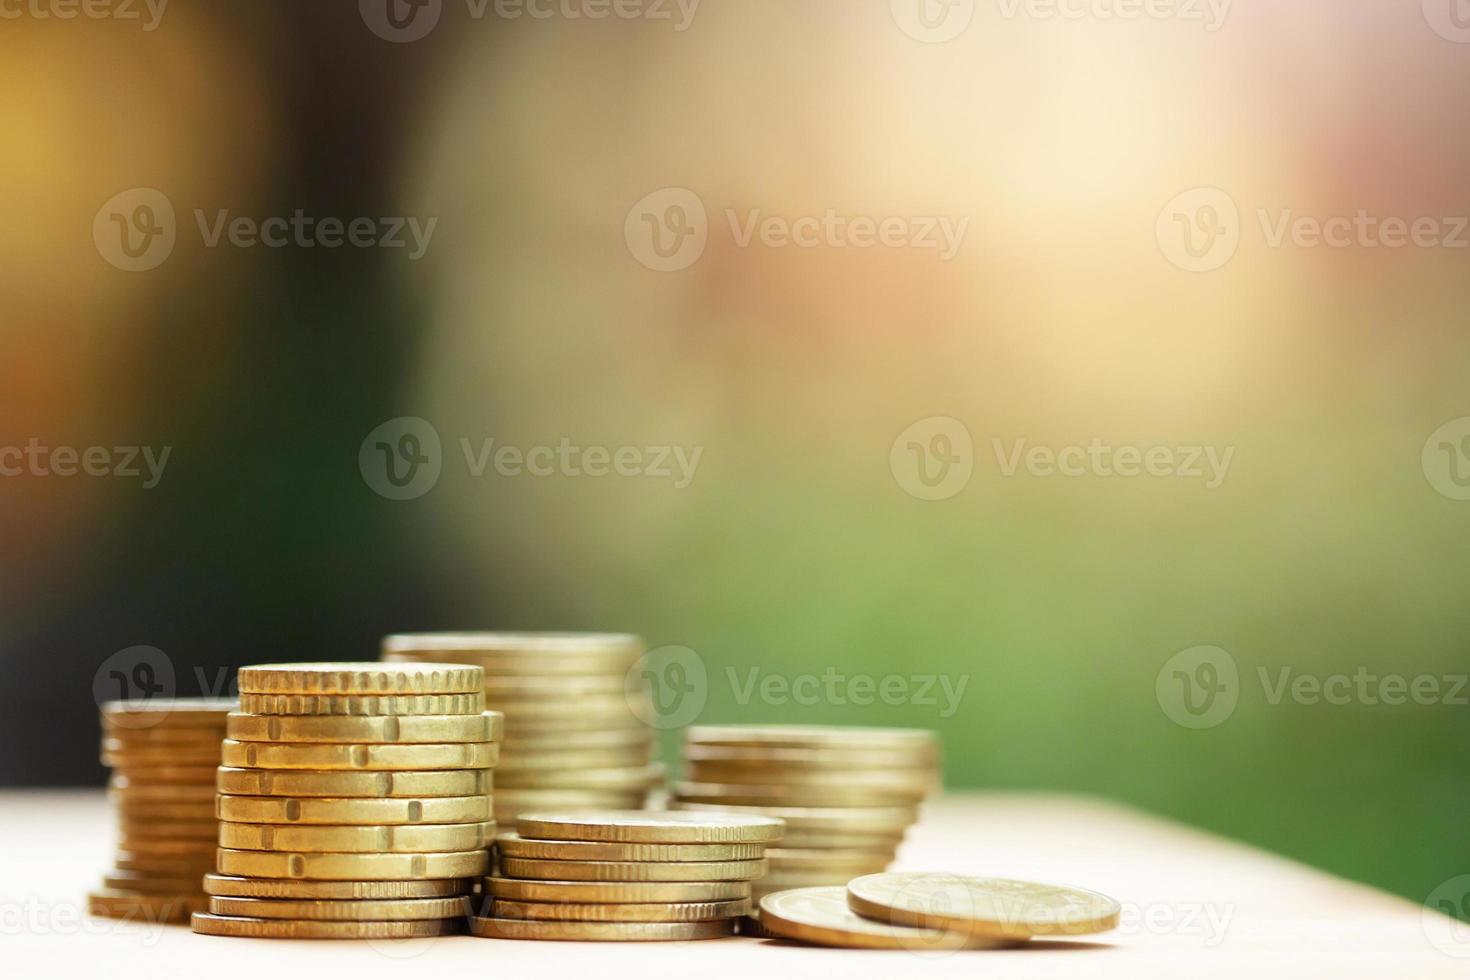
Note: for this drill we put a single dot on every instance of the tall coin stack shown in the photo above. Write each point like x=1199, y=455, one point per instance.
x=354, y=802
x=573, y=738
x=163, y=754
x=629, y=876
x=847, y=795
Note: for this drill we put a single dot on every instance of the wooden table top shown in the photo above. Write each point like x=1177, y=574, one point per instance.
x=1195, y=906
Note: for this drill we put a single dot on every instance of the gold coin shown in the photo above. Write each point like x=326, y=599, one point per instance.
x=813, y=737
x=127, y=793
x=820, y=840
x=357, y=840
x=555, y=686
x=529, y=727
x=989, y=907
x=828, y=859
x=908, y=785
x=599, y=931
x=171, y=866
x=160, y=737
x=615, y=892
x=115, y=753
x=290, y=810
x=150, y=884
x=648, y=827
x=354, y=705
x=624, y=738
x=522, y=760
x=750, y=925
x=143, y=907
x=787, y=759
x=601, y=706
x=821, y=916
x=268, y=755
x=217, y=884
x=850, y=819
x=487, y=726
x=203, y=809
x=777, y=794
x=640, y=777
x=352, y=867
x=208, y=924
x=166, y=712
x=360, y=678
x=200, y=775
x=513, y=845
x=303, y=782
x=362, y=910
x=778, y=880
x=626, y=912
x=162, y=847
x=547, y=648
x=502, y=665
x=632, y=870
x=511, y=803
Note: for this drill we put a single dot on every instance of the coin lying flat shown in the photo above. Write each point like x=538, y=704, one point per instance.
x=358, y=910
x=401, y=838
x=131, y=827
x=511, y=803
x=200, y=809
x=169, y=866
x=599, y=931
x=487, y=726
x=209, y=924
x=851, y=819
x=779, y=794
x=353, y=705
x=142, y=906
x=548, y=649
x=166, y=846
x=627, y=737
x=204, y=752
x=652, y=827
x=360, y=678
x=150, y=884
x=155, y=773
x=553, y=686
x=632, y=870
x=227, y=885
x=553, y=763
x=170, y=712
x=824, y=759
x=624, y=912
x=827, y=859
x=822, y=916
x=513, y=845
x=615, y=892
x=268, y=755
x=303, y=782
x=812, y=737
x=352, y=867
x=991, y=907
x=637, y=777
x=384, y=811
x=908, y=785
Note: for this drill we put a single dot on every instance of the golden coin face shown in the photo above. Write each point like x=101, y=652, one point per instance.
x=143, y=907
x=360, y=678
x=991, y=907
x=626, y=912
x=402, y=838
x=513, y=845
x=615, y=892
x=813, y=737
x=599, y=931
x=354, y=705
x=821, y=916
x=268, y=782
x=351, y=867
x=653, y=827
x=362, y=910
x=307, y=810
x=850, y=819
x=786, y=794
x=487, y=726
x=209, y=924
x=352, y=891
x=632, y=870
x=267, y=755
x=634, y=777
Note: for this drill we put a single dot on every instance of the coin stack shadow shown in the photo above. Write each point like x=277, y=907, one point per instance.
x=163, y=754
x=629, y=876
x=848, y=795
x=575, y=737
x=354, y=802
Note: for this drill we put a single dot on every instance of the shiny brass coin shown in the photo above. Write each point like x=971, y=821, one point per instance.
x=823, y=840
x=777, y=794
x=360, y=678
x=627, y=737
x=788, y=880
x=127, y=794
x=536, y=761
x=351, y=867
x=852, y=863
x=821, y=916
x=553, y=686
x=204, y=753
x=355, y=705
x=161, y=847
x=813, y=737
x=402, y=838
x=827, y=760
x=171, y=866
x=997, y=908
x=303, y=782
x=550, y=649
x=150, y=884
x=200, y=810
x=217, y=884
x=166, y=712
x=151, y=775
x=268, y=755
x=361, y=910
x=160, y=737
x=292, y=810
x=143, y=907
x=850, y=819
x=632, y=870
x=592, y=706
x=515, y=802
x=599, y=931
x=528, y=727
x=637, y=777
x=487, y=726
x=520, y=665
x=209, y=924
x=649, y=827
x=615, y=892
x=908, y=785
x=625, y=912
x=513, y=845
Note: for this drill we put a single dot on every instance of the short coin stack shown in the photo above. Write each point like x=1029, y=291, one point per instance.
x=624, y=876
x=847, y=795
x=574, y=737
x=163, y=754
x=354, y=802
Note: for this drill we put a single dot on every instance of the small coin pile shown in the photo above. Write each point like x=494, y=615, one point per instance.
x=847, y=795
x=934, y=911
x=354, y=802
x=632, y=875
x=574, y=734
x=163, y=754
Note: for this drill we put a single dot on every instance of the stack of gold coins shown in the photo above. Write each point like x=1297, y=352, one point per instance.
x=631, y=875
x=847, y=795
x=163, y=754
x=575, y=737
x=354, y=802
